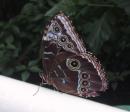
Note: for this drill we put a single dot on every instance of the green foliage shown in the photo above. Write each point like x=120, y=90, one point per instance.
x=124, y=4
x=103, y=24
x=125, y=107
x=100, y=31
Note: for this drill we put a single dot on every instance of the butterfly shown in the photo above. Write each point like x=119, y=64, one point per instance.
x=68, y=66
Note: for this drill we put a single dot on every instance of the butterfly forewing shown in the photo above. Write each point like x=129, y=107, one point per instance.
x=67, y=64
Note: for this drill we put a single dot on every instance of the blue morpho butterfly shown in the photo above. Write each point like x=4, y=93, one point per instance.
x=68, y=66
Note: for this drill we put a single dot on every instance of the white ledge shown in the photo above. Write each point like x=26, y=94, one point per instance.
x=17, y=96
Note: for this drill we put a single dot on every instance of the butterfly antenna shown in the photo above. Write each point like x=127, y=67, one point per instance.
x=37, y=89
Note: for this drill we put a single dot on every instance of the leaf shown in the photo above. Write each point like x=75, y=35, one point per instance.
x=51, y=2
x=100, y=32
x=11, y=46
x=66, y=6
x=38, y=17
x=2, y=46
x=7, y=71
x=125, y=107
x=29, y=8
x=25, y=75
x=1, y=24
x=123, y=4
x=15, y=30
x=82, y=2
x=59, y=6
x=9, y=40
x=20, y=67
x=32, y=63
x=35, y=69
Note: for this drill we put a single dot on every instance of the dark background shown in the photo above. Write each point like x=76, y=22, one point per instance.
x=104, y=26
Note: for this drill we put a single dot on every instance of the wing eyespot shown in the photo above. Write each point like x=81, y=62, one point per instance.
x=63, y=39
x=83, y=89
x=84, y=83
x=56, y=28
x=84, y=75
x=69, y=45
x=73, y=64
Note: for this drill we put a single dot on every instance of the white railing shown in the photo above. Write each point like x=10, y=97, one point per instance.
x=17, y=96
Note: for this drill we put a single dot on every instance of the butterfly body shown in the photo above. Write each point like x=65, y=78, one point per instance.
x=67, y=64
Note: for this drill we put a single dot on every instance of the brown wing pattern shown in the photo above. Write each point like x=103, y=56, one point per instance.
x=67, y=64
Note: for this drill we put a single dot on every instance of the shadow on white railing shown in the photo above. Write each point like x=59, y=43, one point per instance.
x=17, y=96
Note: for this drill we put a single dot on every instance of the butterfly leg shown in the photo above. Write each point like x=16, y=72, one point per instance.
x=41, y=74
x=41, y=83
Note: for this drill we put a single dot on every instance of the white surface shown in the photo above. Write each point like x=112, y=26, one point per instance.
x=17, y=96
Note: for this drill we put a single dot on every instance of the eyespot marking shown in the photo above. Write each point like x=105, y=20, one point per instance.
x=73, y=64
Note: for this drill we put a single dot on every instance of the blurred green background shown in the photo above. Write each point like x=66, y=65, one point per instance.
x=104, y=26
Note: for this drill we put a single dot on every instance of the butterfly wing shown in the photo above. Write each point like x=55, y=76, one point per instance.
x=61, y=32
x=63, y=52
x=56, y=39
